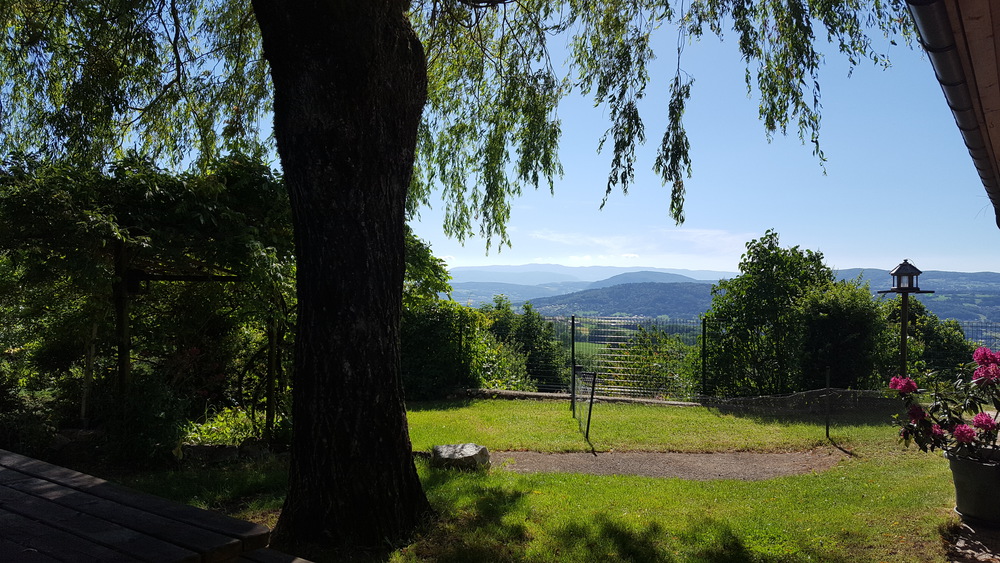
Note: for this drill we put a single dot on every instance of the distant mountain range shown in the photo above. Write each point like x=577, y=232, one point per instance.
x=555, y=290
x=536, y=274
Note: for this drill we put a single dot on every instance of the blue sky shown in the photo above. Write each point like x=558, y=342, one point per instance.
x=899, y=182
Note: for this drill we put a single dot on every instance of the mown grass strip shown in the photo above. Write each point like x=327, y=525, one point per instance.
x=547, y=426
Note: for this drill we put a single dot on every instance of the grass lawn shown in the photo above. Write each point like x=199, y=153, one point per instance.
x=883, y=504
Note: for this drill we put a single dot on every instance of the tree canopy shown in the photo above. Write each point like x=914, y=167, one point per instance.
x=784, y=324
x=186, y=80
x=491, y=124
x=755, y=316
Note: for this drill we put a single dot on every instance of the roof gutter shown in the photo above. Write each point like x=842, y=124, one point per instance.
x=938, y=40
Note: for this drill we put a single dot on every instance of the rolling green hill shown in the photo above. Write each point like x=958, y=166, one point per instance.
x=676, y=300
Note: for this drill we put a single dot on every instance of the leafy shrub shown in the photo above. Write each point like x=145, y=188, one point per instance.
x=447, y=346
x=755, y=324
x=933, y=345
x=229, y=426
x=145, y=425
x=844, y=331
x=529, y=332
x=499, y=366
x=437, y=341
x=783, y=322
x=25, y=421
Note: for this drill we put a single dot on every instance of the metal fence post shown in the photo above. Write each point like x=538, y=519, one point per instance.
x=704, y=355
x=827, y=392
x=572, y=363
x=590, y=409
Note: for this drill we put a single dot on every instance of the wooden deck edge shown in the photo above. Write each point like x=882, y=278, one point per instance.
x=252, y=535
x=268, y=555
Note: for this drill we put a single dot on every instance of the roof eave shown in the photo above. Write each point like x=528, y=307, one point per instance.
x=947, y=33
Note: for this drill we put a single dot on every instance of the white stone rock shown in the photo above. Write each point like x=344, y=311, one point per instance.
x=460, y=456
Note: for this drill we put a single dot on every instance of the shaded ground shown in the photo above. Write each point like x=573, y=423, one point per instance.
x=745, y=466
x=975, y=544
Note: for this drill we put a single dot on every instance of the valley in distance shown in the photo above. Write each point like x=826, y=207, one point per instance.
x=556, y=290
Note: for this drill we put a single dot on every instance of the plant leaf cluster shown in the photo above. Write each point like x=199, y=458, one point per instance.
x=180, y=79
x=65, y=219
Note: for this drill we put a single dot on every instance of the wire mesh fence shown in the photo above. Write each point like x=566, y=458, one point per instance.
x=633, y=356
x=984, y=333
x=814, y=402
x=663, y=358
x=647, y=358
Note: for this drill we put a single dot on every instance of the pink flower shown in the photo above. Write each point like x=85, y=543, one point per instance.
x=984, y=356
x=936, y=431
x=984, y=421
x=988, y=373
x=916, y=413
x=903, y=385
x=964, y=434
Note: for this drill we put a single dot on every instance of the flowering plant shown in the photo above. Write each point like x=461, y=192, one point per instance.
x=944, y=423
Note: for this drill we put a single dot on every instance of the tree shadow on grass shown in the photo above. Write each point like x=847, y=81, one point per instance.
x=480, y=520
x=476, y=520
x=876, y=413
x=604, y=539
x=869, y=416
x=470, y=524
x=705, y=539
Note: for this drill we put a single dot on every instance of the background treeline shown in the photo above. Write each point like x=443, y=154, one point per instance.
x=785, y=324
x=157, y=309
x=192, y=278
x=135, y=301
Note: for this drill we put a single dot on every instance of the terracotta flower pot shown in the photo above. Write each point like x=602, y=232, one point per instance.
x=977, y=489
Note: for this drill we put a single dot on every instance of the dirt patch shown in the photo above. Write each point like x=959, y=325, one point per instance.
x=745, y=466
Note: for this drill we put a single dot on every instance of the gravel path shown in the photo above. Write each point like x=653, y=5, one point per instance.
x=746, y=466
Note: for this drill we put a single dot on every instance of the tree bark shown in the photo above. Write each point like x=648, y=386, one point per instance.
x=88, y=376
x=271, y=377
x=122, y=329
x=349, y=88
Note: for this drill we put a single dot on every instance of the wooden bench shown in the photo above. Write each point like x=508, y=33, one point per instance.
x=49, y=513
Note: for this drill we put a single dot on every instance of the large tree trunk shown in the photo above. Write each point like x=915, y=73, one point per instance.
x=350, y=85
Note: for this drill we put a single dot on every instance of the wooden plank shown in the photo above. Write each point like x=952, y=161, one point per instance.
x=10, y=551
x=268, y=555
x=252, y=535
x=978, y=24
x=212, y=546
x=973, y=25
x=53, y=542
